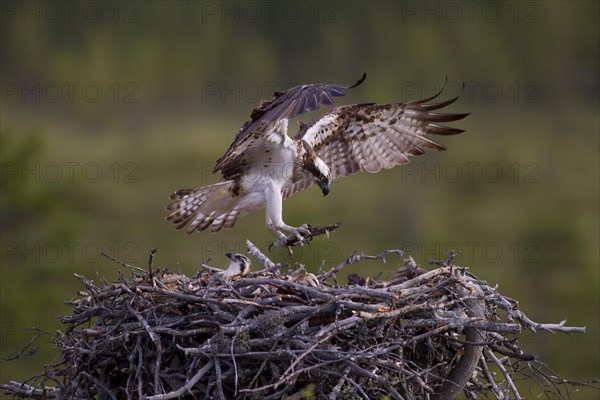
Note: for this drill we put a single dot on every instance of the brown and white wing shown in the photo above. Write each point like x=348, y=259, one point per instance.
x=267, y=119
x=369, y=137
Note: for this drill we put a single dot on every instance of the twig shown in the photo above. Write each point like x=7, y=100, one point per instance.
x=491, y=356
x=486, y=372
x=133, y=267
x=534, y=326
x=150, y=259
x=335, y=392
x=235, y=369
x=28, y=349
x=188, y=386
x=354, y=258
x=156, y=340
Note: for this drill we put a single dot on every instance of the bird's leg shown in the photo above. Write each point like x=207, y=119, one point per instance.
x=273, y=214
x=279, y=227
x=273, y=229
x=275, y=224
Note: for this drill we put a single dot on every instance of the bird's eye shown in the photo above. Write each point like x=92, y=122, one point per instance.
x=323, y=178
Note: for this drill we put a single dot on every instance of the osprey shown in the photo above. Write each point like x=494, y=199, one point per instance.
x=264, y=165
x=239, y=265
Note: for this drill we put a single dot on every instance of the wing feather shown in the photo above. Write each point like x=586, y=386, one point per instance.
x=282, y=106
x=370, y=137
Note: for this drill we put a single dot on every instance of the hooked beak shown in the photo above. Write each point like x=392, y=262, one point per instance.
x=324, y=188
x=228, y=255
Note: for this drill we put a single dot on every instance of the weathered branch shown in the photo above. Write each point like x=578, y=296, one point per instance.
x=188, y=385
x=30, y=392
x=268, y=265
x=354, y=258
x=463, y=371
x=293, y=240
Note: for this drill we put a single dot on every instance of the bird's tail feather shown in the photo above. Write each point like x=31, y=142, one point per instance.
x=213, y=206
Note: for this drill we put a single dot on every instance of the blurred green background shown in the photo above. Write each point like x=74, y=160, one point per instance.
x=107, y=107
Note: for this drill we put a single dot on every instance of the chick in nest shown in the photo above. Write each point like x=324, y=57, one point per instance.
x=239, y=266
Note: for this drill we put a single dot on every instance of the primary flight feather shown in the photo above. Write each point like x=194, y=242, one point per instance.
x=263, y=165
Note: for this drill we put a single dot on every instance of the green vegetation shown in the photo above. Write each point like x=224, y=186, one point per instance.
x=83, y=170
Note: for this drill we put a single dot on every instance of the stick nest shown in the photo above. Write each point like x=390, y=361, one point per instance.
x=271, y=335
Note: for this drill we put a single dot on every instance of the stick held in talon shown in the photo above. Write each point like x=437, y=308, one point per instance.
x=293, y=240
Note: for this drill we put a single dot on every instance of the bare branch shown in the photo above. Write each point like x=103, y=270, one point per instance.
x=261, y=258
x=187, y=387
x=354, y=258
x=293, y=240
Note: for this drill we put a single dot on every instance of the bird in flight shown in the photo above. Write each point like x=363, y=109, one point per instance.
x=263, y=166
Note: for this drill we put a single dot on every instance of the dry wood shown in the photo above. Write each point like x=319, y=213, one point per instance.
x=293, y=240
x=270, y=335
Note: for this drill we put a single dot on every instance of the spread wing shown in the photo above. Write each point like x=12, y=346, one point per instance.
x=369, y=137
x=271, y=118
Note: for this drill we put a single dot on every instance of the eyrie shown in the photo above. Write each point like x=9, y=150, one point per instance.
x=263, y=165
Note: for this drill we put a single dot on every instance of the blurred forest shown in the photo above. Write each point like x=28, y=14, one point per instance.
x=108, y=107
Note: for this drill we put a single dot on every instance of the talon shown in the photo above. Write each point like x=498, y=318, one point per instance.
x=299, y=239
x=305, y=232
x=297, y=236
x=302, y=235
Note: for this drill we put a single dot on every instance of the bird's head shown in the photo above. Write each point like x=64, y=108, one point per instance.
x=239, y=265
x=317, y=169
x=322, y=176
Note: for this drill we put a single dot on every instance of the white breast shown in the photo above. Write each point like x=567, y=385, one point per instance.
x=273, y=166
